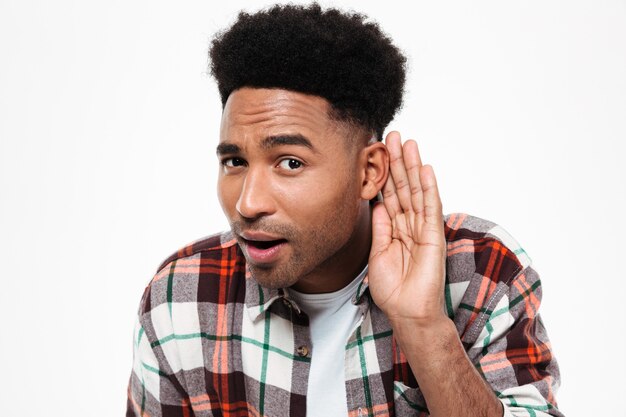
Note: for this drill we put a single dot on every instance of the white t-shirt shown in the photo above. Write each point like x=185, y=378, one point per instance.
x=332, y=319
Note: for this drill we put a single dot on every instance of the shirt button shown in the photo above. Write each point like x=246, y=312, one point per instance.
x=303, y=351
x=286, y=303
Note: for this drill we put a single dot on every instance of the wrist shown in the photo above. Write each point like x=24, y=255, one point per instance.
x=436, y=335
x=423, y=325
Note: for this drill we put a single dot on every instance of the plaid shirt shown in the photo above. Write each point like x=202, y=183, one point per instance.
x=211, y=342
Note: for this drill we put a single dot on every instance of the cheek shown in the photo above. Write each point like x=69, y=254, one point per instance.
x=326, y=199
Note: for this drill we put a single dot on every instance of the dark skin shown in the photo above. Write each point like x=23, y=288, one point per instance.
x=272, y=181
x=407, y=279
x=297, y=180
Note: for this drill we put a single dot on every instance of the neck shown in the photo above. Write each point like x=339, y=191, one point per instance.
x=346, y=264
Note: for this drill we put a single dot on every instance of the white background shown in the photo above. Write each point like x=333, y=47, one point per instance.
x=108, y=125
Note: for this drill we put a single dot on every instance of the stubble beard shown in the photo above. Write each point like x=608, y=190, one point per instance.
x=301, y=262
x=312, y=250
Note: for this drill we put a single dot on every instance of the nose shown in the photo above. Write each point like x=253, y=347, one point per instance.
x=255, y=199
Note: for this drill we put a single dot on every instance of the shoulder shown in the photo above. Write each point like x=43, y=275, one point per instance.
x=215, y=245
x=485, y=269
x=194, y=271
x=482, y=247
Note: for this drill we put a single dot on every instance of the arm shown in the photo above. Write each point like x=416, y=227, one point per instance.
x=513, y=353
x=511, y=356
x=152, y=391
x=407, y=278
x=448, y=380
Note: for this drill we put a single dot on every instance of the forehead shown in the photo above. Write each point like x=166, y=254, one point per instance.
x=255, y=113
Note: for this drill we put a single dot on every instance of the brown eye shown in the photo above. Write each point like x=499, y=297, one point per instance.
x=233, y=162
x=290, y=164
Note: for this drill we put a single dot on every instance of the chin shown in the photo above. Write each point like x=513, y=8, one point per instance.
x=274, y=278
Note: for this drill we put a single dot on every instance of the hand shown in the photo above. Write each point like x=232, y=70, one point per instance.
x=408, y=255
x=407, y=280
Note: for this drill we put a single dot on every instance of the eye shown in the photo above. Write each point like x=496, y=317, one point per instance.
x=290, y=164
x=233, y=162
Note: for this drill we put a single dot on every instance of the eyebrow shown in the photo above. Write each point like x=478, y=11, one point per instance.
x=227, y=149
x=297, y=140
x=269, y=142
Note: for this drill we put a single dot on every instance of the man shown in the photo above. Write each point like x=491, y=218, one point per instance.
x=320, y=300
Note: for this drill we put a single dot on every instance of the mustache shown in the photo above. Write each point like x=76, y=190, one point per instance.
x=261, y=225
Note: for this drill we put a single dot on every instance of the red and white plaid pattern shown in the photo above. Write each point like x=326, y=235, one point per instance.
x=210, y=341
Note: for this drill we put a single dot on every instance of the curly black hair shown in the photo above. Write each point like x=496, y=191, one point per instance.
x=328, y=53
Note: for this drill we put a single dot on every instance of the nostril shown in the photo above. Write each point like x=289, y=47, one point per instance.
x=254, y=199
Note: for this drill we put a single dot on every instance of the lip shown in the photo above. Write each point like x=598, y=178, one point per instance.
x=261, y=256
x=256, y=254
x=259, y=236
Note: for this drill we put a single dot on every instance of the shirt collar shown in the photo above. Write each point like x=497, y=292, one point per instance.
x=259, y=299
x=361, y=289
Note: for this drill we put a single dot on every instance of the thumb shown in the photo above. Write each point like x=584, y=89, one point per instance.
x=381, y=229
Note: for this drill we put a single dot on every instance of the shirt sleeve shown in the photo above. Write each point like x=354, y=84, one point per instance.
x=513, y=352
x=152, y=392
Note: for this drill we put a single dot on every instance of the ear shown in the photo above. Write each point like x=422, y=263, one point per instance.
x=374, y=169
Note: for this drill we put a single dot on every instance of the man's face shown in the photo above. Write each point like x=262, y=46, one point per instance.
x=288, y=183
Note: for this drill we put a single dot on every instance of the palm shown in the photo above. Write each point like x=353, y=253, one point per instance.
x=407, y=260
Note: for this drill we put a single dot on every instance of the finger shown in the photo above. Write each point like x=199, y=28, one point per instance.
x=398, y=170
x=390, y=199
x=413, y=163
x=433, y=214
x=381, y=229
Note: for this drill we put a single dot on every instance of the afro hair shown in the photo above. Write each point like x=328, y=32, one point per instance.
x=328, y=53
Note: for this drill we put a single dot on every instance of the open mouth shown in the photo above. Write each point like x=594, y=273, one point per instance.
x=264, y=244
x=264, y=252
